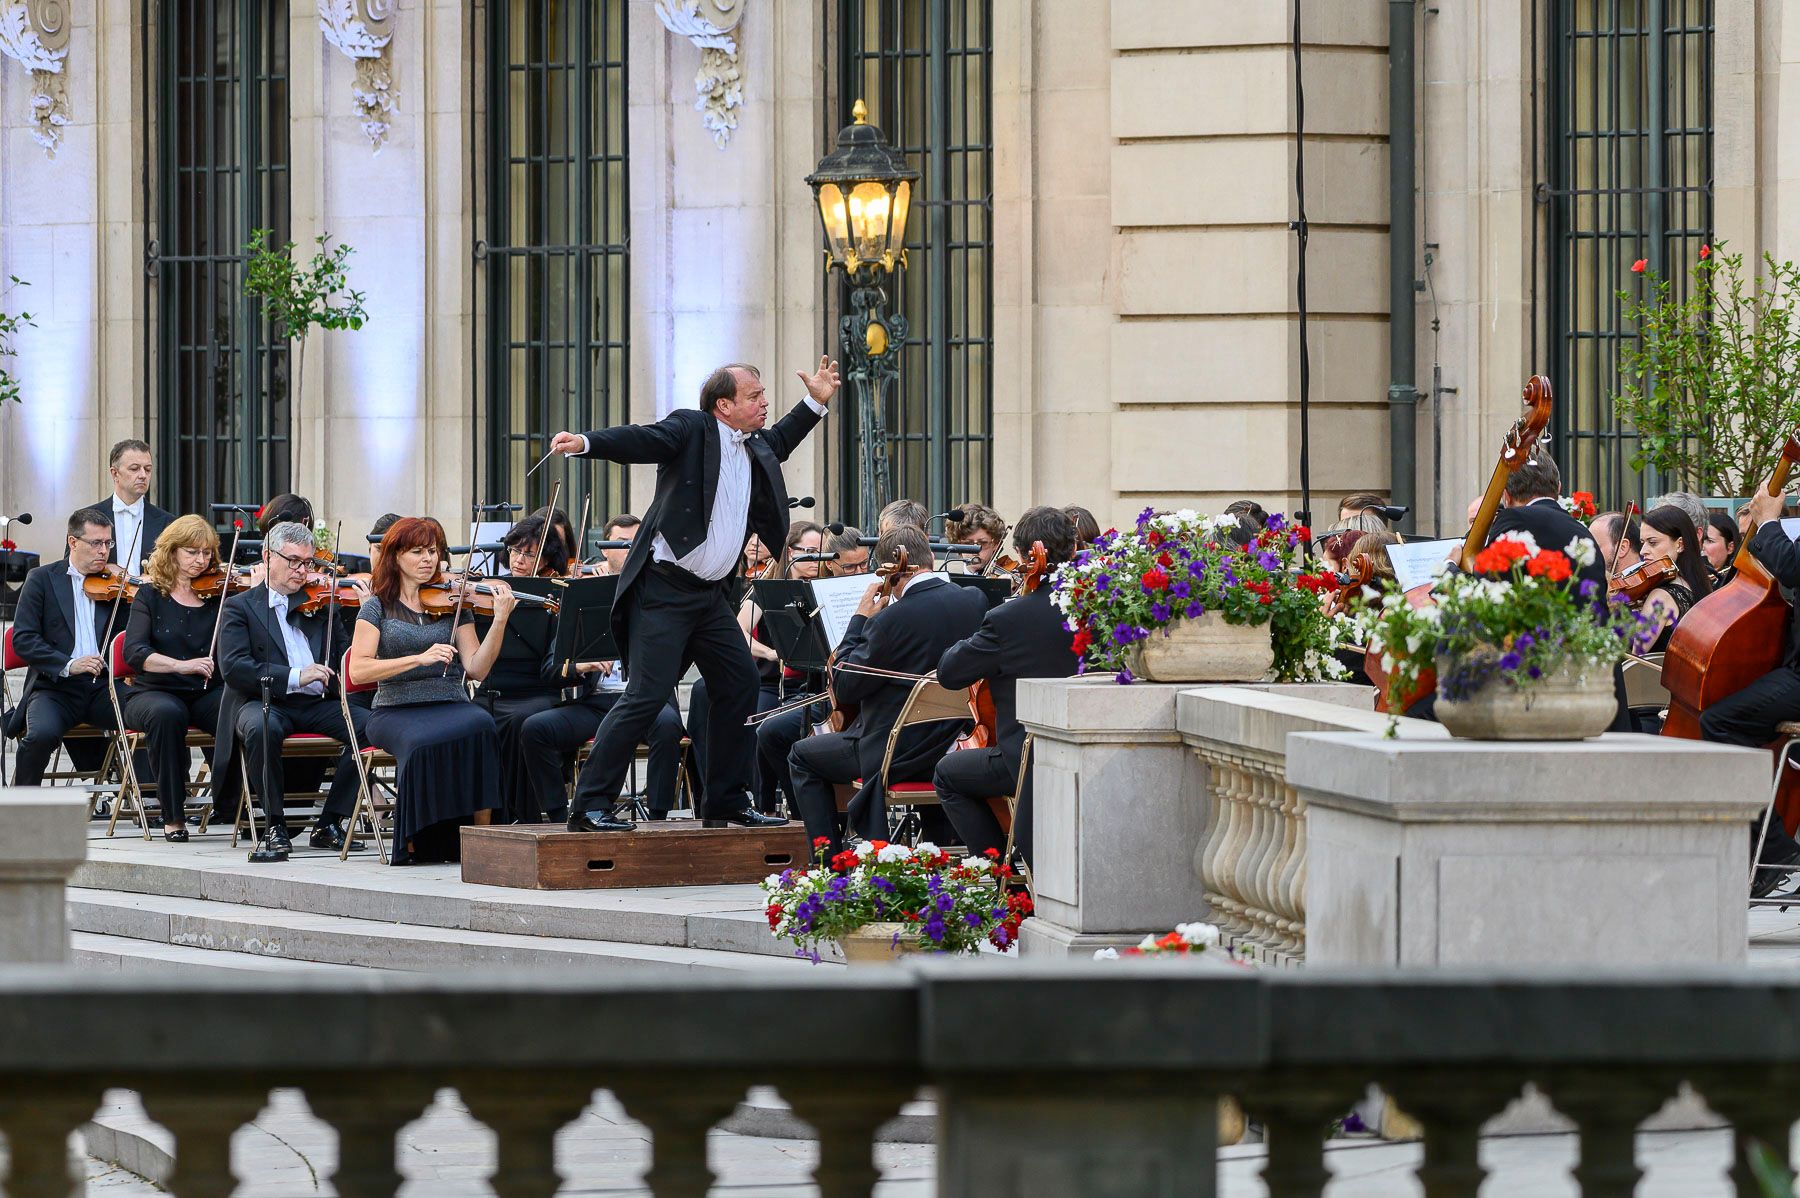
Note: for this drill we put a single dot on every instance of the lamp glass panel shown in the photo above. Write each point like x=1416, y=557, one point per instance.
x=902, y=199
x=870, y=210
x=835, y=214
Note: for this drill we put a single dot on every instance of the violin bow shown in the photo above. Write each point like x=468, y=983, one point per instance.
x=112, y=617
x=1618, y=545
x=225, y=570
x=580, y=536
x=331, y=600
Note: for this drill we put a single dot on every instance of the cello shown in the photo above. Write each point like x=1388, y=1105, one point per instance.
x=1516, y=449
x=985, y=734
x=1731, y=637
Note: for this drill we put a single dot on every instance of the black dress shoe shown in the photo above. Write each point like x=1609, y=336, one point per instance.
x=102, y=809
x=331, y=836
x=747, y=818
x=274, y=847
x=598, y=821
x=175, y=834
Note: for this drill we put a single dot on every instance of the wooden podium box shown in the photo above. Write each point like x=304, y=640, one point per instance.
x=671, y=853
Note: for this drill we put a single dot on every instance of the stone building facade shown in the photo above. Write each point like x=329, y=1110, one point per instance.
x=1106, y=282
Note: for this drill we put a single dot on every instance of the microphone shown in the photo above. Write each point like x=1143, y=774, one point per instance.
x=815, y=557
x=248, y=509
x=1390, y=512
x=21, y=518
x=955, y=515
x=835, y=529
x=497, y=507
x=801, y=501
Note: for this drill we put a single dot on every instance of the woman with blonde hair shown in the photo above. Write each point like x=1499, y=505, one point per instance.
x=169, y=643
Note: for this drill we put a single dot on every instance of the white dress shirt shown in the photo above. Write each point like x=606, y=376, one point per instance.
x=716, y=556
x=299, y=653
x=127, y=523
x=85, y=644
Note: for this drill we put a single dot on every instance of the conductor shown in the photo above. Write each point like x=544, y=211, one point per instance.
x=718, y=479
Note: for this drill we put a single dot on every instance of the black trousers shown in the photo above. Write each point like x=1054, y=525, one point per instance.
x=164, y=718
x=964, y=782
x=700, y=711
x=1749, y=718
x=518, y=804
x=775, y=739
x=548, y=742
x=674, y=620
x=50, y=713
x=298, y=713
x=818, y=764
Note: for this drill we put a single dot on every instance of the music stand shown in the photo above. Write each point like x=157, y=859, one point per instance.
x=584, y=623
x=790, y=615
x=995, y=590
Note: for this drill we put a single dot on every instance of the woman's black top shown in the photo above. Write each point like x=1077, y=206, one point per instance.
x=160, y=624
x=1684, y=599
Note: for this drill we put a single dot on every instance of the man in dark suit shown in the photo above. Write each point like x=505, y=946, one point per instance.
x=1022, y=638
x=906, y=635
x=62, y=634
x=1749, y=717
x=262, y=639
x=136, y=521
x=718, y=480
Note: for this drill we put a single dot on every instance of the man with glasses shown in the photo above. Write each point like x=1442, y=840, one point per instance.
x=61, y=634
x=264, y=640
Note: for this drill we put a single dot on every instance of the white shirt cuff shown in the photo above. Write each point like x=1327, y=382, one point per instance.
x=293, y=678
x=816, y=406
x=65, y=669
x=584, y=446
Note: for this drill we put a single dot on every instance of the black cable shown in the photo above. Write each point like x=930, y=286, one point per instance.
x=1304, y=515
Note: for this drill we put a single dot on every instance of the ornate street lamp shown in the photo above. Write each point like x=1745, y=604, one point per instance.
x=864, y=189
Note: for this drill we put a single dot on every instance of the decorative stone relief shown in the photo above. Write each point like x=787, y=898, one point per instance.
x=719, y=82
x=36, y=34
x=363, y=30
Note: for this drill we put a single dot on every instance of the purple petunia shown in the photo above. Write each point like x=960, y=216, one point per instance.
x=1510, y=661
x=1267, y=560
x=1160, y=612
x=1195, y=610
x=1123, y=677
x=1181, y=590
x=1103, y=582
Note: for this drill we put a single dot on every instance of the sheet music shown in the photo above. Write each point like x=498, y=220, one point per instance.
x=1418, y=562
x=838, y=599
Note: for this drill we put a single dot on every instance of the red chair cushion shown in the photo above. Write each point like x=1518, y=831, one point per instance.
x=13, y=660
x=120, y=667
x=911, y=788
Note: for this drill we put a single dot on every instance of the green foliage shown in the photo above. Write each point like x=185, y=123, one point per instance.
x=300, y=300
x=9, y=326
x=1713, y=390
x=1773, y=1177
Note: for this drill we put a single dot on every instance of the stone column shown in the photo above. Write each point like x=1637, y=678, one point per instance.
x=43, y=837
x=1456, y=852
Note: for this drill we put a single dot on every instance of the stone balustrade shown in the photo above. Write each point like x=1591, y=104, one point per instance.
x=1252, y=860
x=1059, y=1079
x=43, y=838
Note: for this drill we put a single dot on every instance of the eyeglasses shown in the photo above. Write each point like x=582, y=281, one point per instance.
x=294, y=563
x=107, y=543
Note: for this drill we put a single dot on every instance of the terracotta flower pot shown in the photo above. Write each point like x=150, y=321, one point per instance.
x=1205, y=649
x=875, y=944
x=1570, y=704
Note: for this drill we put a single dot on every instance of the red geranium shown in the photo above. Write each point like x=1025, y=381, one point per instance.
x=1083, y=639
x=774, y=914
x=1166, y=561
x=1492, y=561
x=1154, y=580
x=8, y=545
x=1549, y=563
x=1154, y=537
x=1583, y=502
x=1302, y=533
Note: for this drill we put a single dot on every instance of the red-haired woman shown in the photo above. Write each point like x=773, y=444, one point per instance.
x=446, y=746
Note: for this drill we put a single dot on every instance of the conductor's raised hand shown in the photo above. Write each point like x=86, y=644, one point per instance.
x=568, y=444
x=823, y=384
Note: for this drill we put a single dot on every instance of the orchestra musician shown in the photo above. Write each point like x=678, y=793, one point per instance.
x=1720, y=545
x=1022, y=638
x=136, y=521
x=60, y=633
x=980, y=526
x=549, y=740
x=1617, y=539
x=446, y=747
x=1667, y=532
x=852, y=555
x=902, y=511
x=515, y=690
x=169, y=643
x=1750, y=716
x=1087, y=528
x=265, y=640
x=718, y=480
x=907, y=635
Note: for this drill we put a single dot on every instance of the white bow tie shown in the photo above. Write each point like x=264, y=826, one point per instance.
x=738, y=438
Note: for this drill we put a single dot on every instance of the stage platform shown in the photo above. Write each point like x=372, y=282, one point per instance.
x=201, y=904
x=664, y=853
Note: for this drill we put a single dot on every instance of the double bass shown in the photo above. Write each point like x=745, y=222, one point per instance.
x=1731, y=637
x=1516, y=449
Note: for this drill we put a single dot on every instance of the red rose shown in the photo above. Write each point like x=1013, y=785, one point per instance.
x=1637, y=268
x=1154, y=580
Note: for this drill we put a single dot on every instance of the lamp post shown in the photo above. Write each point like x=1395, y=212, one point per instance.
x=864, y=189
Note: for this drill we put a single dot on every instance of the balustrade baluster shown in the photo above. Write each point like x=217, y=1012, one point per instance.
x=1234, y=793
x=1761, y=1109
x=525, y=1114
x=1294, y=881
x=1281, y=858
x=1607, y=1108
x=37, y=1117
x=679, y=1114
x=846, y=1121
x=1297, y=1115
x=1208, y=860
x=203, y=1114
x=1451, y=1106
x=367, y=1114
x=1252, y=862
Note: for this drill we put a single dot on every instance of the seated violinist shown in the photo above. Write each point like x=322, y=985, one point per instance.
x=1749, y=717
x=1616, y=538
x=61, y=634
x=1022, y=638
x=169, y=643
x=1666, y=532
x=907, y=635
x=1720, y=542
x=1087, y=528
x=982, y=527
x=852, y=555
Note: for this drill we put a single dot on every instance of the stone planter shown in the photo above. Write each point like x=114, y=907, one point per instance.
x=873, y=944
x=1206, y=649
x=1567, y=705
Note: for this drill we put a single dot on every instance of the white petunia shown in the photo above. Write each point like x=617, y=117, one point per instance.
x=1187, y=515
x=926, y=849
x=1197, y=933
x=1581, y=551
x=773, y=881
x=893, y=852
x=1106, y=954
x=979, y=864
x=865, y=850
x=1221, y=522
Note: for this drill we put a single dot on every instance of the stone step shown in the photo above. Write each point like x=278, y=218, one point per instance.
x=713, y=918
x=93, y=950
x=203, y=924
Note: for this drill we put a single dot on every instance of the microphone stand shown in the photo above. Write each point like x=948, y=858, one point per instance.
x=268, y=765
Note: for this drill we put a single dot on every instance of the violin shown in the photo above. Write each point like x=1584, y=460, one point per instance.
x=216, y=582
x=1036, y=570
x=440, y=598
x=1636, y=582
x=1361, y=573
x=112, y=584
x=892, y=574
x=316, y=594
